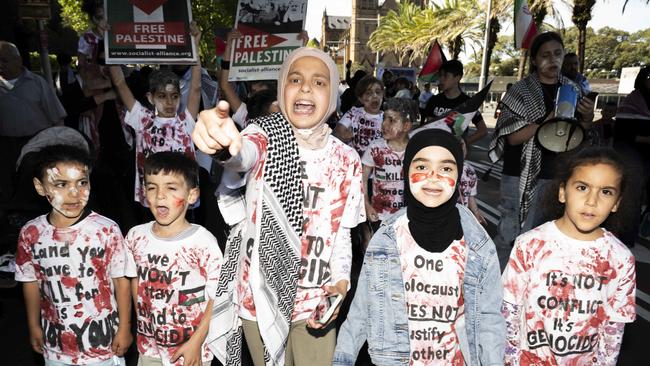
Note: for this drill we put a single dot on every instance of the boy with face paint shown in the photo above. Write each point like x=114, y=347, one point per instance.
x=291, y=249
x=173, y=315
x=72, y=264
x=434, y=260
x=163, y=128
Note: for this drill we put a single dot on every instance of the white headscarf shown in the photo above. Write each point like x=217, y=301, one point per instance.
x=315, y=137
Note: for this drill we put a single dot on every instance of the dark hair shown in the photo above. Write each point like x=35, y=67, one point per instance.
x=365, y=83
x=454, y=67
x=90, y=7
x=49, y=156
x=259, y=103
x=402, y=80
x=407, y=108
x=617, y=222
x=63, y=59
x=539, y=40
x=570, y=54
x=159, y=78
x=173, y=162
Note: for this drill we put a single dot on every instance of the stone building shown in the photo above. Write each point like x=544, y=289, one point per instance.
x=346, y=38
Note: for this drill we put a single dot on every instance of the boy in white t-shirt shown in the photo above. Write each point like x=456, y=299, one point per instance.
x=175, y=267
x=383, y=159
x=163, y=128
x=362, y=125
x=71, y=262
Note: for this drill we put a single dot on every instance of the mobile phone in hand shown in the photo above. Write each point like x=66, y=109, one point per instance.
x=332, y=303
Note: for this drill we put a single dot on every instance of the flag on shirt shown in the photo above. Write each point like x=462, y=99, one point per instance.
x=525, y=28
x=457, y=120
x=436, y=58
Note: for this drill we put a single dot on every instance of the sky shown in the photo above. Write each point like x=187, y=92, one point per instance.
x=606, y=13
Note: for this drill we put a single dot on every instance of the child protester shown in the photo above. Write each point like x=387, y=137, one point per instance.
x=361, y=125
x=71, y=262
x=569, y=286
x=383, y=160
x=292, y=248
x=163, y=128
x=468, y=188
x=175, y=267
x=429, y=290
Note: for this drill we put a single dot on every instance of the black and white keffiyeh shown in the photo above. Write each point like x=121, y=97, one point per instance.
x=522, y=105
x=277, y=234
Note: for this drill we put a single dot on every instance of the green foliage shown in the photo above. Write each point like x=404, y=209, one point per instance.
x=607, y=49
x=72, y=15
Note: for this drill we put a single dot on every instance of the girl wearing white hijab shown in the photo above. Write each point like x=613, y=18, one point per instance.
x=291, y=248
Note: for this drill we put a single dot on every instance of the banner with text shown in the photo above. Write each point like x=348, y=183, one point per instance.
x=269, y=33
x=149, y=32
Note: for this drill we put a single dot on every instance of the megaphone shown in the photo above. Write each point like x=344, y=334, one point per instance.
x=563, y=132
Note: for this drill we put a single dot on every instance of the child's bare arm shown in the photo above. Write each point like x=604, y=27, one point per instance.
x=343, y=133
x=371, y=214
x=122, y=89
x=471, y=204
x=192, y=349
x=194, y=98
x=227, y=89
x=33, y=307
x=123, y=337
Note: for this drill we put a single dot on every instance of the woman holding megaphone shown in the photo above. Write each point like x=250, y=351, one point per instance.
x=528, y=165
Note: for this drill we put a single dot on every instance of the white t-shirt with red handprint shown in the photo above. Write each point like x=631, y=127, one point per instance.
x=567, y=290
x=74, y=268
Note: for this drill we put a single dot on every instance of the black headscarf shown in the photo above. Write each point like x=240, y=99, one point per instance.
x=433, y=228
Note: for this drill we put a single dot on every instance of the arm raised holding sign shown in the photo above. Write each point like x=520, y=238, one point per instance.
x=194, y=99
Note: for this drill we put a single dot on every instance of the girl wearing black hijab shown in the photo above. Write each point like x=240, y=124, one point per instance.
x=430, y=289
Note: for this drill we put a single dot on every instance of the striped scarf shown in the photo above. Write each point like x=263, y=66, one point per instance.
x=277, y=257
x=522, y=105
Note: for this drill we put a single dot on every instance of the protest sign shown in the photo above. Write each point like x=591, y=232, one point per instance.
x=149, y=32
x=269, y=33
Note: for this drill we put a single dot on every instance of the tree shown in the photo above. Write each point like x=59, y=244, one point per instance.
x=580, y=17
x=410, y=31
x=635, y=51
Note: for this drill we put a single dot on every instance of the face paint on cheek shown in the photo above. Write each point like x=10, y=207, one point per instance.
x=84, y=193
x=179, y=202
x=448, y=180
x=419, y=177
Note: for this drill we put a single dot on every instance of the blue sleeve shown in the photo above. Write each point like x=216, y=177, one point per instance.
x=352, y=334
x=492, y=328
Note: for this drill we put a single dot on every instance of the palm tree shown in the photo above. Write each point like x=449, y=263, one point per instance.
x=409, y=31
x=581, y=16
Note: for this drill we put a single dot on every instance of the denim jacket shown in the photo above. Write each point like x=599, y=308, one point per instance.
x=378, y=311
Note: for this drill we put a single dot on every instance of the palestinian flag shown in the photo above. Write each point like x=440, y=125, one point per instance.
x=458, y=119
x=436, y=58
x=525, y=29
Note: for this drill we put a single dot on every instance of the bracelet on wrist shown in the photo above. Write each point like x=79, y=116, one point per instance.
x=225, y=65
